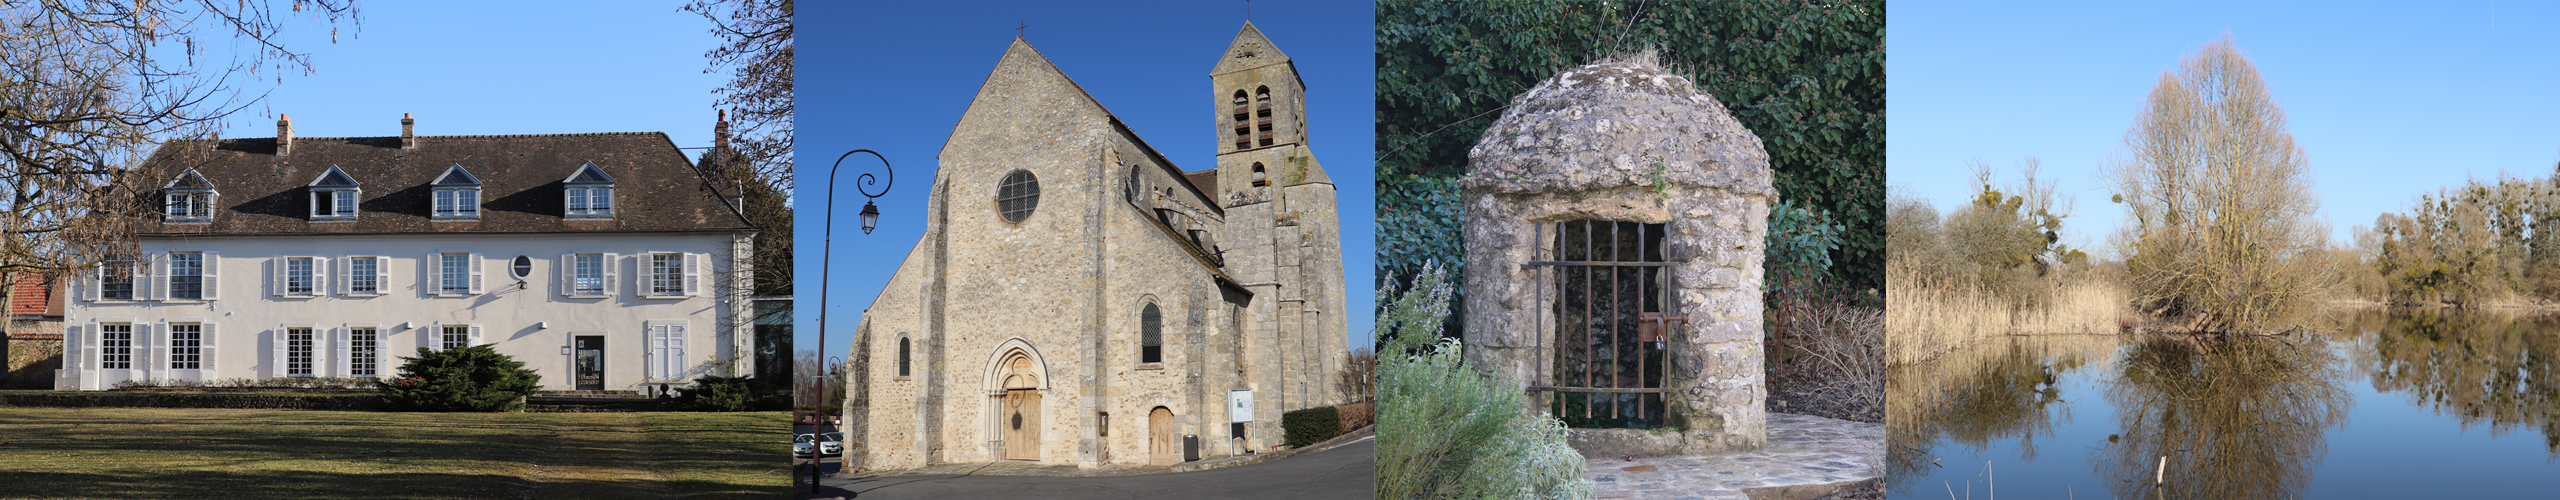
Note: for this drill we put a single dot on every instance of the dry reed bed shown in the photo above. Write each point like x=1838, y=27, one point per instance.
x=1923, y=321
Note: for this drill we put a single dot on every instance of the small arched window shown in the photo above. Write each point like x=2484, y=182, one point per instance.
x=902, y=356
x=1018, y=195
x=1151, y=335
x=1262, y=114
x=1243, y=121
x=1260, y=179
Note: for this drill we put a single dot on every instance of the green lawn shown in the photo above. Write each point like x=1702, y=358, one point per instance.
x=209, y=453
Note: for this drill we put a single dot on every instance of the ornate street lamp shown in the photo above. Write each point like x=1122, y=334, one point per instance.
x=870, y=219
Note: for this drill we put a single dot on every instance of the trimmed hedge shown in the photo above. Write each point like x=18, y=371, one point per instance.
x=1311, y=426
x=182, y=400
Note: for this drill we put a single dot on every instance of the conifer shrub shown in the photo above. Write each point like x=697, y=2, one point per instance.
x=474, y=378
x=729, y=394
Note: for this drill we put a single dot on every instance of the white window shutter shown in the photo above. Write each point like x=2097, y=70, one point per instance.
x=476, y=289
x=86, y=340
x=89, y=287
x=341, y=352
x=159, y=277
x=382, y=367
x=319, y=276
x=159, y=345
x=205, y=356
x=433, y=268
x=275, y=276
x=475, y=334
x=675, y=352
x=381, y=281
x=612, y=274
x=568, y=274
x=346, y=276
x=275, y=364
x=212, y=259
x=692, y=274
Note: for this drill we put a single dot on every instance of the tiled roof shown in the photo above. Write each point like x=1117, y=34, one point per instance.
x=35, y=296
x=1206, y=181
x=656, y=189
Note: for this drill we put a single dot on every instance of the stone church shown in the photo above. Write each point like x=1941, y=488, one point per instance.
x=1077, y=299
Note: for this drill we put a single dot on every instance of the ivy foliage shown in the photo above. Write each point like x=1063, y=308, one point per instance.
x=475, y=378
x=1800, y=242
x=1807, y=78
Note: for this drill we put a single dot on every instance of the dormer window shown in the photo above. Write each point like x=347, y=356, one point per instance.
x=333, y=196
x=457, y=194
x=590, y=193
x=188, y=199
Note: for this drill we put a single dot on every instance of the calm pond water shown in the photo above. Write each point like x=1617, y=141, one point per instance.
x=2398, y=404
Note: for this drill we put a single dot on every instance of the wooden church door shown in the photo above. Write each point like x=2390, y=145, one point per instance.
x=1164, y=439
x=1022, y=421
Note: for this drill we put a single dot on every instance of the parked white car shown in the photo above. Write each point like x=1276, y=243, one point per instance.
x=830, y=444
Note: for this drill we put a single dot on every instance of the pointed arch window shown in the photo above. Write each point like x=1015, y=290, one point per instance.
x=188, y=199
x=590, y=193
x=903, y=358
x=1151, y=335
x=333, y=196
x=457, y=194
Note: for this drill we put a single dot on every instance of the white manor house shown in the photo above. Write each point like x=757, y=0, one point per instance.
x=602, y=261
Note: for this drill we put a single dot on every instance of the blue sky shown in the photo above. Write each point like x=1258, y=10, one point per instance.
x=2388, y=100
x=495, y=68
x=894, y=77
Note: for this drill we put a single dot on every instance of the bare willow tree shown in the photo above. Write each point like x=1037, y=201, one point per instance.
x=89, y=88
x=2222, y=234
x=756, y=51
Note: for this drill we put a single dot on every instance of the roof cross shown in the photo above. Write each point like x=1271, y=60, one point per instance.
x=1017, y=30
x=1248, y=10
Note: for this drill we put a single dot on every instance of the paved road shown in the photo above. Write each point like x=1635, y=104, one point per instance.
x=1349, y=471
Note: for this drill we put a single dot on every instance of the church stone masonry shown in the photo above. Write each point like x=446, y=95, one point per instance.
x=1077, y=299
x=1659, y=312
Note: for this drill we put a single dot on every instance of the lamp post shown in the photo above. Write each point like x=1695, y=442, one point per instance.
x=870, y=218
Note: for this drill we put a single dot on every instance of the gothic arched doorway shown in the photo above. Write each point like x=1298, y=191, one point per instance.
x=1021, y=418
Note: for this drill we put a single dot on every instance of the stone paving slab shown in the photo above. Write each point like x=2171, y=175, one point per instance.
x=1807, y=457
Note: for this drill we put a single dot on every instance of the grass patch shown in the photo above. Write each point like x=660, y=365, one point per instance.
x=224, y=453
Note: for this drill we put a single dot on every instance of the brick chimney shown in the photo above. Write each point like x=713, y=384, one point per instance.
x=284, y=134
x=720, y=132
x=726, y=175
x=408, y=132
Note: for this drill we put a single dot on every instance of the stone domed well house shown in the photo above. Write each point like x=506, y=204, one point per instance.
x=1615, y=218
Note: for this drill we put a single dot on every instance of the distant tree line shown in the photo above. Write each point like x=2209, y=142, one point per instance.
x=2478, y=242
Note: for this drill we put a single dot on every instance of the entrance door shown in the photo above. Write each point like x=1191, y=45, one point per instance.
x=1164, y=440
x=1022, y=421
x=590, y=363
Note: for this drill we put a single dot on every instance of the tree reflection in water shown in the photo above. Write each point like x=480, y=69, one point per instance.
x=2236, y=418
x=1975, y=395
x=2479, y=367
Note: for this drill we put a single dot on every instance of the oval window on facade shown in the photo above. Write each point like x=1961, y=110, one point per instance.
x=1018, y=195
x=523, y=266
